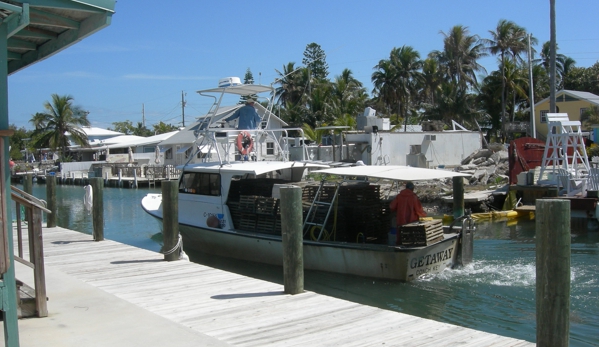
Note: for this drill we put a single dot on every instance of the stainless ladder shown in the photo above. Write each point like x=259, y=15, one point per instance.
x=311, y=221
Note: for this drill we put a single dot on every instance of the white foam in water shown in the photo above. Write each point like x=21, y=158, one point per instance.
x=492, y=272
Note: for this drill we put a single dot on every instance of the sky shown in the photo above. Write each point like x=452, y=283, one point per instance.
x=154, y=51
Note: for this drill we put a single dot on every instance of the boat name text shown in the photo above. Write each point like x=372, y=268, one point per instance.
x=430, y=259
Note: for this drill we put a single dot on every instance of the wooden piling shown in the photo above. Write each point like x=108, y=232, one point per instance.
x=293, y=251
x=51, y=200
x=458, y=197
x=170, y=220
x=28, y=183
x=98, y=207
x=553, y=272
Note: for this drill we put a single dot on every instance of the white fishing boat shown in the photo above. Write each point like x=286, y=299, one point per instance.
x=231, y=208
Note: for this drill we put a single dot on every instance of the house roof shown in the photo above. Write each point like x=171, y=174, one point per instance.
x=590, y=97
x=93, y=131
x=144, y=141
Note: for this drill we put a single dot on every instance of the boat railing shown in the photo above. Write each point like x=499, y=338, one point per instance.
x=210, y=139
x=31, y=215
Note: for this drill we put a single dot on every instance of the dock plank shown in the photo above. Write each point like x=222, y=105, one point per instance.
x=239, y=310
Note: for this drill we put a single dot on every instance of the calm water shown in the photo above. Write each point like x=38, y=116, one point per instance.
x=495, y=294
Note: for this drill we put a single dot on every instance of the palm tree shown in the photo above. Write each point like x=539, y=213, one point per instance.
x=508, y=38
x=460, y=55
x=61, y=121
x=563, y=64
x=516, y=81
x=397, y=78
x=348, y=96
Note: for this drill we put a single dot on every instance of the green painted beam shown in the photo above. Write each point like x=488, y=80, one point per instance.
x=98, y=6
x=13, y=56
x=18, y=20
x=64, y=40
x=21, y=44
x=36, y=34
x=9, y=307
x=50, y=19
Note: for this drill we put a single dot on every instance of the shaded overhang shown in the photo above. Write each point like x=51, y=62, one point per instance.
x=38, y=29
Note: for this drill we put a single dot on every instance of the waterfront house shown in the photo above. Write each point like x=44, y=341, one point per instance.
x=572, y=102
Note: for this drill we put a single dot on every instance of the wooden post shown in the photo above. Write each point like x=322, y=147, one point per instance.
x=135, y=177
x=98, y=208
x=553, y=272
x=51, y=197
x=170, y=220
x=458, y=197
x=292, y=242
x=28, y=183
x=37, y=258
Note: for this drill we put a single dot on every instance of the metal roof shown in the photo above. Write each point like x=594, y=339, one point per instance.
x=38, y=29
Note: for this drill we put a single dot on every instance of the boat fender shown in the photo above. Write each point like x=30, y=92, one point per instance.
x=88, y=198
x=244, y=143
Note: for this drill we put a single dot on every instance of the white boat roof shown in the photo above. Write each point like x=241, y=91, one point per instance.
x=242, y=89
x=251, y=167
x=393, y=172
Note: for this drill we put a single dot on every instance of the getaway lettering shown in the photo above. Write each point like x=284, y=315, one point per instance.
x=430, y=259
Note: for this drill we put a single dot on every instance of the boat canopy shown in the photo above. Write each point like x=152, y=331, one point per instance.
x=393, y=172
x=256, y=168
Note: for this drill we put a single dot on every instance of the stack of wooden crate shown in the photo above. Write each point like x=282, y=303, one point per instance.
x=422, y=233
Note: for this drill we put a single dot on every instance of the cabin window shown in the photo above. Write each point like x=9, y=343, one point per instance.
x=544, y=116
x=200, y=183
x=188, y=152
x=270, y=148
x=168, y=154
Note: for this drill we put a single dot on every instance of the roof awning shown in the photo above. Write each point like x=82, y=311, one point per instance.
x=183, y=149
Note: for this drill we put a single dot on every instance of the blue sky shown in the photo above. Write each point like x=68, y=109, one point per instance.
x=152, y=52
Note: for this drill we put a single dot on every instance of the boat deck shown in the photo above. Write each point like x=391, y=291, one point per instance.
x=212, y=306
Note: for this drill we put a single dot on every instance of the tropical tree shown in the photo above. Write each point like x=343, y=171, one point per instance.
x=62, y=121
x=397, y=79
x=460, y=55
x=507, y=39
x=315, y=61
x=563, y=64
x=584, y=79
x=163, y=128
x=348, y=96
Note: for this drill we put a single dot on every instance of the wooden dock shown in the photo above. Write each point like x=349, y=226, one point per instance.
x=238, y=310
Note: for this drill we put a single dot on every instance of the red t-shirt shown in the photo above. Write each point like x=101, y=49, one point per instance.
x=408, y=207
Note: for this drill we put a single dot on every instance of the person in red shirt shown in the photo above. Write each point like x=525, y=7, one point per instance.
x=408, y=208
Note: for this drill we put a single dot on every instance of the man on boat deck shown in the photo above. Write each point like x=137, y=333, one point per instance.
x=408, y=208
x=248, y=117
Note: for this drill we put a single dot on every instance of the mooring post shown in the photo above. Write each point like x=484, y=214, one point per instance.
x=98, y=207
x=28, y=183
x=120, y=177
x=293, y=251
x=135, y=177
x=51, y=197
x=553, y=272
x=170, y=220
x=458, y=197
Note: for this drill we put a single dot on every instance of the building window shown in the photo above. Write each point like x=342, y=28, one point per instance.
x=270, y=148
x=263, y=125
x=188, y=152
x=168, y=154
x=200, y=183
x=544, y=116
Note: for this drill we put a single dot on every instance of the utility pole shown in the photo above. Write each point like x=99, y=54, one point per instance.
x=143, y=116
x=183, y=107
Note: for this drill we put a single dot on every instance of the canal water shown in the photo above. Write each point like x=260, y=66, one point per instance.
x=495, y=294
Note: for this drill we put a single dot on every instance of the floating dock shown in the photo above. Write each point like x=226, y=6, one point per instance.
x=130, y=297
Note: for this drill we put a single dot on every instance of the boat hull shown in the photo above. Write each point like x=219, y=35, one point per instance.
x=367, y=260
